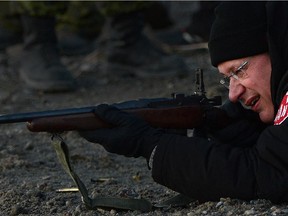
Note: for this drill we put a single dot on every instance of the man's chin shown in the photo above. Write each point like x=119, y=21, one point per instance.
x=266, y=117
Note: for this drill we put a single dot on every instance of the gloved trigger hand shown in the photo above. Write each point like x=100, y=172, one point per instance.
x=245, y=128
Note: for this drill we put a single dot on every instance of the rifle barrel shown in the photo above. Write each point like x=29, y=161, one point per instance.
x=28, y=116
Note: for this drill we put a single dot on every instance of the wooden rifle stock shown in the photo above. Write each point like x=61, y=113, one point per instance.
x=183, y=117
x=173, y=117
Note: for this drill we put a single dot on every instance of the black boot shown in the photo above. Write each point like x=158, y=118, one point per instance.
x=8, y=37
x=10, y=34
x=129, y=52
x=40, y=64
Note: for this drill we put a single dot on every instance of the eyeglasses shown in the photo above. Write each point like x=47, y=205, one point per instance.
x=238, y=74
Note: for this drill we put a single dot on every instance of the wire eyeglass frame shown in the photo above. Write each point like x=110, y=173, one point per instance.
x=238, y=74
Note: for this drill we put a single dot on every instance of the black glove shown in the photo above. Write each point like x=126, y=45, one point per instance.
x=244, y=129
x=131, y=136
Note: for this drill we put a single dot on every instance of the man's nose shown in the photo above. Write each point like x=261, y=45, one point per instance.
x=235, y=90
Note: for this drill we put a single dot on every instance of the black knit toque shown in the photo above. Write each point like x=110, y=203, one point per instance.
x=239, y=30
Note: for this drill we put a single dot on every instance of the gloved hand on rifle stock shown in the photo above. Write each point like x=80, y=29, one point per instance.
x=131, y=136
x=244, y=129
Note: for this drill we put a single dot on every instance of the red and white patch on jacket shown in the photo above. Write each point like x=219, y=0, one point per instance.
x=282, y=112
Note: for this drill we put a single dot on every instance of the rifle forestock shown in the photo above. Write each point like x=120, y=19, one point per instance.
x=182, y=117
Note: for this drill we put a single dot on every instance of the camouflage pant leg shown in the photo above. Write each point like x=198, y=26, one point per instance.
x=108, y=8
x=8, y=20
x=39, y=8
x=87, y=18
x=73, y=16
x=81, y=17
x=10, y=11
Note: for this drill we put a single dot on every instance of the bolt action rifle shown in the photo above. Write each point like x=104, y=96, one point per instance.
x=178, y=112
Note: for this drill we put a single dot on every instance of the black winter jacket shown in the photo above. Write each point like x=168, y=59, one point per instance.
x=248, y=162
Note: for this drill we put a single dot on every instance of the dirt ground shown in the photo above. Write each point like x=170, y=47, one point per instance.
x=31, y=175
